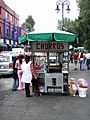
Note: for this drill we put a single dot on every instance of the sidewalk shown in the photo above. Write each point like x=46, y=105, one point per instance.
x=15, y=106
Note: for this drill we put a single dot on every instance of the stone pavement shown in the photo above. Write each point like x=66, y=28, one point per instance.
x=15, y=106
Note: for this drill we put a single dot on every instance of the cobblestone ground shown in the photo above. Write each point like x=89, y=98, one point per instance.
x=15, y=106
x=5, y=86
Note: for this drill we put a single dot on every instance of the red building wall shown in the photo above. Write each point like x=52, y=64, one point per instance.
x=10, y=17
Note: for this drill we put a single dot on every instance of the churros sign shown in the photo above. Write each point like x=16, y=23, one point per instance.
x=49, y=46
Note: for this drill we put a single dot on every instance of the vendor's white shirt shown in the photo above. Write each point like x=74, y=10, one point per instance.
x=27, y=74
x=87, y=56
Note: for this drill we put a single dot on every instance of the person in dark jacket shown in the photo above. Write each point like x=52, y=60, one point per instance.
x=15, y=76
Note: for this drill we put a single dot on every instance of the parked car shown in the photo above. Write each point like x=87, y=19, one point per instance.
x=6, y=63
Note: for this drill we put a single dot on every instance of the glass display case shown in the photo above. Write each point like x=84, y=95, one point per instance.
x=65, y=61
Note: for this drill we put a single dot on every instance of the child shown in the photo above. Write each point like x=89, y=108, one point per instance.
x=73, y=88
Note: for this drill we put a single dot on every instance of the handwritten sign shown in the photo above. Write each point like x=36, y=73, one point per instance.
x=49, y=46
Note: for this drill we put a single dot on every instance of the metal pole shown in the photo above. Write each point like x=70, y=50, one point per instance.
x=62, y=2
x=62, y=15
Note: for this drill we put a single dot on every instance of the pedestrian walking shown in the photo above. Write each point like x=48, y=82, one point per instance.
x=87, y=56
x=26, y=75
x=71, y=57
x=75, y=58
x=81, y=61
x=19, y=71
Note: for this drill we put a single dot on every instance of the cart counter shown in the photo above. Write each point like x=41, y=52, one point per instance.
x=54, y=82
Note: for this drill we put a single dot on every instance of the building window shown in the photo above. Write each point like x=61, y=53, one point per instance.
x=0, y=9
x=7, y=33
x=11, y=18
x=6, y=14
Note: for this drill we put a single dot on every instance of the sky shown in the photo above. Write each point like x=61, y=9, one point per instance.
x=42, y=11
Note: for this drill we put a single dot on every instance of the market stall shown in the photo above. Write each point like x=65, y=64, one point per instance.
x=51, y=50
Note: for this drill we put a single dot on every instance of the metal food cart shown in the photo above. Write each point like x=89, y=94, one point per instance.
x=53, y=48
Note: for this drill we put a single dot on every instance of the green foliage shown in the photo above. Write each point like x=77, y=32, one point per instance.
x=80, y=26
x=70, y=26
x=28, y=25
x=30, y=20
x=84, y=6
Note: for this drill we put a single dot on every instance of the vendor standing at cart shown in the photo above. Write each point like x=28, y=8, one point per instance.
x=35, y=80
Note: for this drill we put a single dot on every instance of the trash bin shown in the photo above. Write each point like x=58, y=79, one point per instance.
x=82, y=92
x=82, y=87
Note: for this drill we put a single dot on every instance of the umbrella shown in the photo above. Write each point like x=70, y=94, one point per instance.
x=48, y=36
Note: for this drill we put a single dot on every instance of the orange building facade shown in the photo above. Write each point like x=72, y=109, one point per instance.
x=9, y=25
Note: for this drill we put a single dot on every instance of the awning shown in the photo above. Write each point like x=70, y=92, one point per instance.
x=22, y=38
x=48, y=36
x=3, y=45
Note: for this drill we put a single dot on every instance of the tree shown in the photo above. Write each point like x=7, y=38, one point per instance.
x=29, y=23
x=81, y=26
x=70, y=26
x=84, y=6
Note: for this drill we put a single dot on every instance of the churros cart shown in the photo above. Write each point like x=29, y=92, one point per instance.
x=51, y=50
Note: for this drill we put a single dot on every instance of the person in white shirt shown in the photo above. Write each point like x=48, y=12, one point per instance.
x=87, y=56
x=26, y=75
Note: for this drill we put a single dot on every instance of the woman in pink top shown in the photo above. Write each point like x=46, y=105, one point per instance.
x=19, y=71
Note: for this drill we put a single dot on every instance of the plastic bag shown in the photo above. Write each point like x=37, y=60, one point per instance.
x=82, y=83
